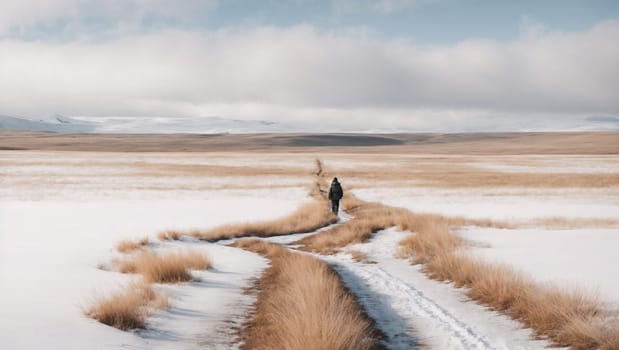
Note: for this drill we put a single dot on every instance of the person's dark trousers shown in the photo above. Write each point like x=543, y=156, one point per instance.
x=335, y=206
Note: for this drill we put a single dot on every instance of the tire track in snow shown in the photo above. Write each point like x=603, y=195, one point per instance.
x=411, y=305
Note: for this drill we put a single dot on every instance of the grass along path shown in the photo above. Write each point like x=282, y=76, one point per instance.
x=302, y=304
x=566, y=317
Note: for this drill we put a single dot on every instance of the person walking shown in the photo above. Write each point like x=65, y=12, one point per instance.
x=335, y=194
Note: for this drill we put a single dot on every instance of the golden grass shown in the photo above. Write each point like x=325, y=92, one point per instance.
x=450, y=174
x=307, y=218
x=359, y=256
x=421, y=143
x=529, y=180
x=165, y=268
x=129, y=308
x=302, y=304
x=169, y=235
x=127, y=246
x=564, y=223
x=371, y=217
x=568, y=318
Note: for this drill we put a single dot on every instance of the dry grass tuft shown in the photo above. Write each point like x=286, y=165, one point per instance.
x=129, y=246
x=169, y=235
x=307, y=218
x=302, y=304
x=604, y=335
x=127, y=309
x=264, y=248
x=433, y=239
x=168, y=268
x=360, y=256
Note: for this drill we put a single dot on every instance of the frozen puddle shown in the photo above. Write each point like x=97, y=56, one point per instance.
x=411, y=309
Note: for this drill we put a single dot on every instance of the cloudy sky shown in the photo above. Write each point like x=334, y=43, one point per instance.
x=420, y=65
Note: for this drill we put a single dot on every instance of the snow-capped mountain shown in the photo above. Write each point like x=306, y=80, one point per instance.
x=55, y=123
x=216, y=125
x=207, y=125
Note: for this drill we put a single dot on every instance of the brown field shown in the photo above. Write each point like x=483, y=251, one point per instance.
x=302, y=304
x=129, y=308
x=557, y=222
x=461, y=176
x=469, y=143
x=437, y=162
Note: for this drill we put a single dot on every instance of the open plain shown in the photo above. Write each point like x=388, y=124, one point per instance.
x=203, y=230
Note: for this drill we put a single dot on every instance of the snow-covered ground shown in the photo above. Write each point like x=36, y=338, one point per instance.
x=61, y=214
x=584, y=259
x=412, y=310
x=50, y=250
x=436, y=311
x=500, y=204
x=580, y=257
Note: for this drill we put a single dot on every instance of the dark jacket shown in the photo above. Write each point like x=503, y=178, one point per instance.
x=335, y=192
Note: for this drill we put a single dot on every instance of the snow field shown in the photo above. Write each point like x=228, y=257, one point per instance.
x=584, y=259
x=54, y=234
x=49, y=255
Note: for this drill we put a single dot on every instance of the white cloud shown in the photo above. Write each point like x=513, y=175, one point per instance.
x=300, y=73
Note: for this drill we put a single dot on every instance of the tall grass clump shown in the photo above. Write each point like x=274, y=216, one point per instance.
x=169, y=235
x=302, y=304
x=307, y=218
x=130, y=246
x=129, y=308
x=165, y=268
